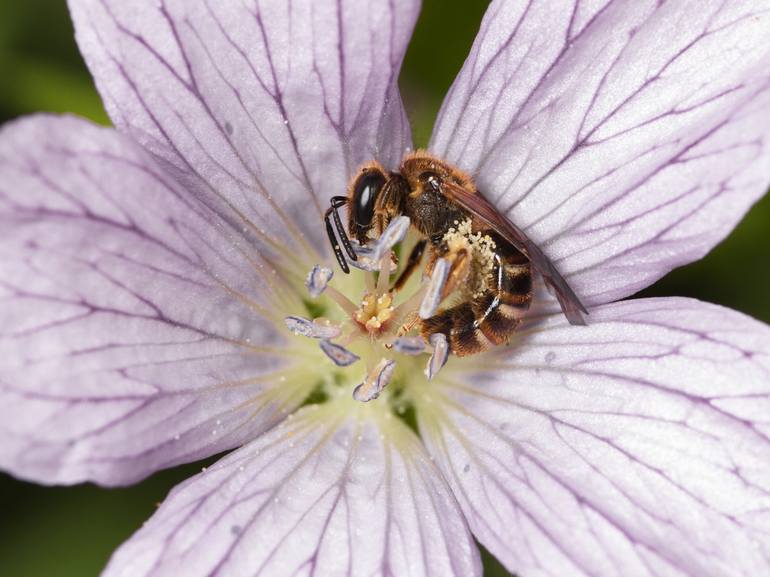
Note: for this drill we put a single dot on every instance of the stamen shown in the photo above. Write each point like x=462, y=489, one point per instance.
x=371, y=282
x=315, y=329
x=318, y=274
x=409, y=306
x=348, y=337
x=394, y=233
x=383, y=282
x=339, y=355
x=342, y=301
x=375, y=381
x=318, y=279
x=409, y=345
x=369, y=256
x=432, y=297
x=440, y=354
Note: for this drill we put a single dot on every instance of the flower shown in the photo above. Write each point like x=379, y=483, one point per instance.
x=147, y=272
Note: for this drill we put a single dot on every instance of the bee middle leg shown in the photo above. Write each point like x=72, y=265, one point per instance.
x=415, y=256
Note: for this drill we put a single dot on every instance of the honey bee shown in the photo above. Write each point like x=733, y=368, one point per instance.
x=439, y=200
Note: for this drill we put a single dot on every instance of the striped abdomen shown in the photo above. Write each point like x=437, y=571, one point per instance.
x=490, y=319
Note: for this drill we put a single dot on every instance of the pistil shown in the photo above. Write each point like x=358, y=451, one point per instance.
x=375, y=312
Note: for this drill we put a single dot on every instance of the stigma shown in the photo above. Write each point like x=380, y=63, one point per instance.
x=375, y=313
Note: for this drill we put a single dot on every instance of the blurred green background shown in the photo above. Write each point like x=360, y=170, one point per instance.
x=63, y=532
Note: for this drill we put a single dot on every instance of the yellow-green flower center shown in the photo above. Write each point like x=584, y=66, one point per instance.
x=361, y=338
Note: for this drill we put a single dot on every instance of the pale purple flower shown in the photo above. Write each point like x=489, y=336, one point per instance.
x=147, y=274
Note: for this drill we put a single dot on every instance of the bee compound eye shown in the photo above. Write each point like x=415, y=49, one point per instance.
x=365, y=191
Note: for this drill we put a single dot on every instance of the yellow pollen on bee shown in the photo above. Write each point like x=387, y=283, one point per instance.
x=481, y=250
x=374, y=312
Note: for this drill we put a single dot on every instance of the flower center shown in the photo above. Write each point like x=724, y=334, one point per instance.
x=382, y=326
x=375, y=313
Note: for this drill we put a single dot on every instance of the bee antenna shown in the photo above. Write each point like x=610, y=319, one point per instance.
x=337, y=202
x=335, y=245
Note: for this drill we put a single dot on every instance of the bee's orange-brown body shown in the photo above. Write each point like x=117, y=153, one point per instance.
x=481, y=321
x=437, y=197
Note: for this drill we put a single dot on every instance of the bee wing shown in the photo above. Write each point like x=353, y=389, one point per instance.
x=479, y=206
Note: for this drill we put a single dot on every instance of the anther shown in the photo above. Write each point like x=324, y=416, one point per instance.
x=394, y=233
x=339, y=355
x=377, y=379
x=317, y=280
x=432, y=297
x=440, y=354
x=369, y=256
x=315, y=329
x=368, y=260
x=409, y=345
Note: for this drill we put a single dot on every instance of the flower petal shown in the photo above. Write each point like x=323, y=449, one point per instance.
x=626, y=138
x=318, y=495
x=639, y=445
x=134, y=324
x=269, y=105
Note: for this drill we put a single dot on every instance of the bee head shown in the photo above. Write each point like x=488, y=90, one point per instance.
x=363, y=197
